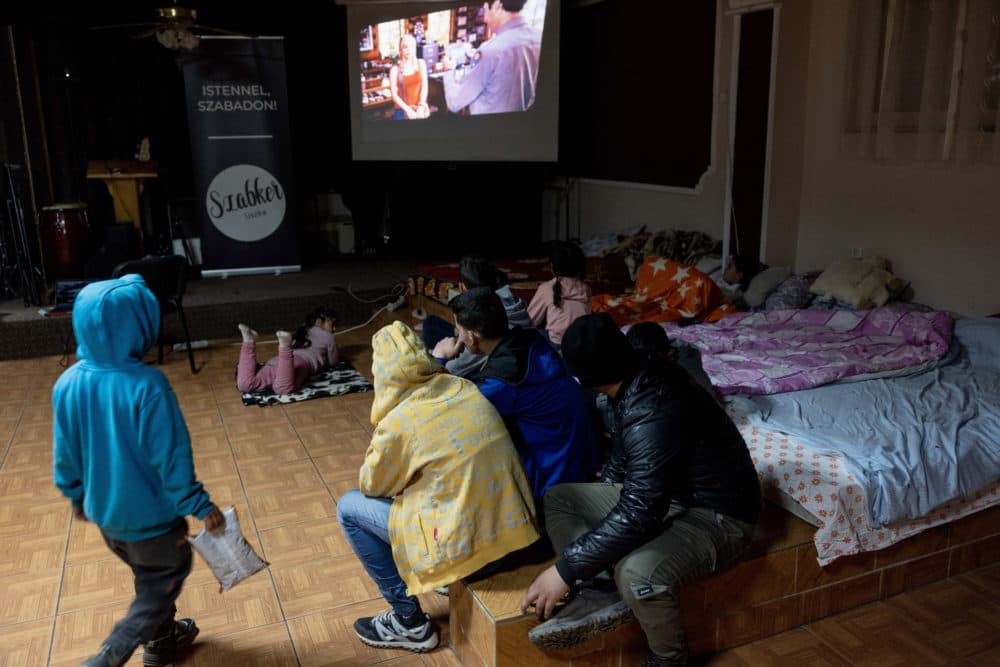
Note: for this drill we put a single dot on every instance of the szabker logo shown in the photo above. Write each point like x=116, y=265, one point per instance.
x=245, y=202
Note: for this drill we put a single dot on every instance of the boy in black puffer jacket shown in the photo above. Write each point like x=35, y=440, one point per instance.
x=678, y=501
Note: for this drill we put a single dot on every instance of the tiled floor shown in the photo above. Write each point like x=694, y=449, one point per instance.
x=283, y=468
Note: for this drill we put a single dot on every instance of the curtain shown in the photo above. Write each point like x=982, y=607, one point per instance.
x=923, y=81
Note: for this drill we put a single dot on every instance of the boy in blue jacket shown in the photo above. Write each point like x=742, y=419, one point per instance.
x=525, y=379
x=122, y=455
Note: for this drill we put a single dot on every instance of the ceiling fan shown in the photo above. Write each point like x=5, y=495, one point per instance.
x=175, y=28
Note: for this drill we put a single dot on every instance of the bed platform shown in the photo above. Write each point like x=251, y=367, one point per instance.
x=816, y=551
x=779, y=587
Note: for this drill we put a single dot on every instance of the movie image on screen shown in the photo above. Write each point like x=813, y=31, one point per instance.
x=475, y=59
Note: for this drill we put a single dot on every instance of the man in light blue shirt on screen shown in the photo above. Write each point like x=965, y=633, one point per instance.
x=505, y=75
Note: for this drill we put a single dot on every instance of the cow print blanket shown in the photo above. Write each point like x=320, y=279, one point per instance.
x=336, y=381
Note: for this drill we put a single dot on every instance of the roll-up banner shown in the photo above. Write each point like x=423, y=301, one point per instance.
x=238, y=120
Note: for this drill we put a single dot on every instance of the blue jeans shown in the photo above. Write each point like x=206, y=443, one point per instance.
x=366, y=525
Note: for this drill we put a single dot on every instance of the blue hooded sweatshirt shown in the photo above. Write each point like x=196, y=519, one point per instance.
x=526, y=381
x=121, y=447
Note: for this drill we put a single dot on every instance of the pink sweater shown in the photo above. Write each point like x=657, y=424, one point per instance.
x=322, y=351
x=575, y=303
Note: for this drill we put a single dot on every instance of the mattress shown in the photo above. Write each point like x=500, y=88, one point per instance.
x=816, y=487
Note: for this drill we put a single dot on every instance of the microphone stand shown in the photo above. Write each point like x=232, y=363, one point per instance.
x=24, y=264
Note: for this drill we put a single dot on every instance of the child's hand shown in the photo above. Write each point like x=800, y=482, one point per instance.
x=78, y=513
x=214, y=520
x=448, y=348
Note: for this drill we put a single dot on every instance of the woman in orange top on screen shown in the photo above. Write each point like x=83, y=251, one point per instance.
x=408, y=82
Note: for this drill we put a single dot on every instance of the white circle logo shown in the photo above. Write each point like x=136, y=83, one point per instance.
x=245, y=202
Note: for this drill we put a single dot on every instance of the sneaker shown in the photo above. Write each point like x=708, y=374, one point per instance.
x=164, y=650
x=106, y=658
x=589, y=613
x=388, y=630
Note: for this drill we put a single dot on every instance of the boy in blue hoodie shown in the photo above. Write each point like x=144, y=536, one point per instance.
x=122, y=455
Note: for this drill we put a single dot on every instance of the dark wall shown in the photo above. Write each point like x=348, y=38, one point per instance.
x=636, y=90
x=104, y=91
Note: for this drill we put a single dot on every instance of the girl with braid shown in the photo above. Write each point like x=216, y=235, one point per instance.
x=558, y=302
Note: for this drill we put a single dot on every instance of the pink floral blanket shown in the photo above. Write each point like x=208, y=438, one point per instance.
x=789, y=350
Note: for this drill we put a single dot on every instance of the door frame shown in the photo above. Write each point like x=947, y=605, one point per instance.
x=734, y=73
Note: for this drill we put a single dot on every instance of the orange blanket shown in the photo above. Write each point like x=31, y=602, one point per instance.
x=666, y=291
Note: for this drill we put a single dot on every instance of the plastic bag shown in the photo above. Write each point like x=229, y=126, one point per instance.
x=228, y=554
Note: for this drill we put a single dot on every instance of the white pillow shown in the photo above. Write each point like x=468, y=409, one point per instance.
x=764, y=283
x=863, y=283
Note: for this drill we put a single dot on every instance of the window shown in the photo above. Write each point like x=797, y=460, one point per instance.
x=439, y=27
x=923, y=80
x=388, y=38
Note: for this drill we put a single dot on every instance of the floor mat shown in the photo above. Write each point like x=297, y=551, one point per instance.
x=336, y=381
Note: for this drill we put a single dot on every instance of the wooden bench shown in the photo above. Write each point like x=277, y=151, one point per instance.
x=778, y=587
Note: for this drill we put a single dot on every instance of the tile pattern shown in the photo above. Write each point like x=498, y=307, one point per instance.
x=283, y=469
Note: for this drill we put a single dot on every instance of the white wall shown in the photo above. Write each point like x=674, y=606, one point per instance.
x=939, y=225
x=788, y=134
x=606, y=206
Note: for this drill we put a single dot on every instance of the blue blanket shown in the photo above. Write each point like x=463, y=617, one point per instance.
x=914, y=442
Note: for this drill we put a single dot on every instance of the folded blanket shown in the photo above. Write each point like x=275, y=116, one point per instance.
x=790, y=350
x=666, y=291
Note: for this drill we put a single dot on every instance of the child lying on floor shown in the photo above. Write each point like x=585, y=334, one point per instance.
x=309, y=350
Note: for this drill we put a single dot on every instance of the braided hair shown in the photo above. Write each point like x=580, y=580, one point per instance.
x=567, y=262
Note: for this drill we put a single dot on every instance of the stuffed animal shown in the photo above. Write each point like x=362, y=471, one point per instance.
x=863, y=283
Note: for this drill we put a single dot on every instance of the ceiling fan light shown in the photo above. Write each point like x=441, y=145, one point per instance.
x=176, y=13
x=168, y=37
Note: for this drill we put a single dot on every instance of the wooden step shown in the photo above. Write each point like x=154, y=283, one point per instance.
x=778, y=587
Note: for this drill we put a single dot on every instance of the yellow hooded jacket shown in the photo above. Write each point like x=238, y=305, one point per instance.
x=442, y=453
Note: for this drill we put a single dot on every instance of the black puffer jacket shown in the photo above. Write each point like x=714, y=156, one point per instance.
x=671, y=442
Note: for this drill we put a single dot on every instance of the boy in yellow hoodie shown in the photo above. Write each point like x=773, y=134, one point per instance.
x=442, y=491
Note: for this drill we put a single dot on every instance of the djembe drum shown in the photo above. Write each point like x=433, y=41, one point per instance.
x=66, y=239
